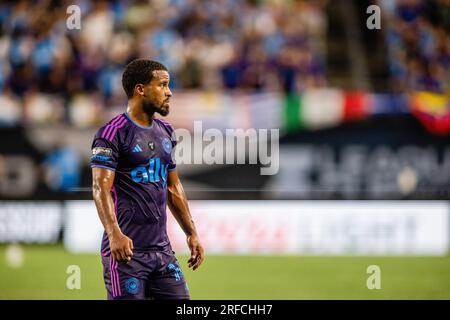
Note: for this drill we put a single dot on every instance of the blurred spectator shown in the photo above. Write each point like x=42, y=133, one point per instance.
x=43, y=109
x=419, y=44
x=10, y=110
x=62, y=169
x=84, y=110
x=226, y=44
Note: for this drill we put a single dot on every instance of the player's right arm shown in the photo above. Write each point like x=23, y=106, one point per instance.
x=102, y=181
x=104, y=162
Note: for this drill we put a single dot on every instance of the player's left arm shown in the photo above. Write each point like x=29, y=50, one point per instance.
x=178, y=205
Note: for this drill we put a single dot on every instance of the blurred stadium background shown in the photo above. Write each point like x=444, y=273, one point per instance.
x=364, y=119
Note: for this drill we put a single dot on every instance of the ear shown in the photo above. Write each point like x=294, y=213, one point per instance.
x=139, y=89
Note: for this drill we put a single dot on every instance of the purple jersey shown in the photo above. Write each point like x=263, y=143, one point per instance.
x=141, y=158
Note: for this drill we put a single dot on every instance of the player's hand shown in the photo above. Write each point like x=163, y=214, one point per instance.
x=197, y=254
x=121, y=247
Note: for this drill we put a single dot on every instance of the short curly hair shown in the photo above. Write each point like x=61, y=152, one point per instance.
x=139, y=71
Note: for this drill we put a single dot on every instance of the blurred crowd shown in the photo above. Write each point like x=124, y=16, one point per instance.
x=60, y=74
x=418, y=39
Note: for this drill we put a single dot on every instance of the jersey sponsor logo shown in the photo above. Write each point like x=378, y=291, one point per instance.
x=137, y=148
x=101, y=151
x=101, y=154
x=167, y=145
x=132, y=285
x=101, y=158
x=154, y=172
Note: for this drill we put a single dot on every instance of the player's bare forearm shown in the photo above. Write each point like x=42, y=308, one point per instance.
x=178, y=204
x=120, y=245
x=102, y=180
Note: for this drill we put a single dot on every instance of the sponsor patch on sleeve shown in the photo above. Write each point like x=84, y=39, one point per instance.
x=101, y=151
x=101, y=154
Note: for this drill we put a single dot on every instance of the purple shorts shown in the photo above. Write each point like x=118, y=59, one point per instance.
x=148, y=275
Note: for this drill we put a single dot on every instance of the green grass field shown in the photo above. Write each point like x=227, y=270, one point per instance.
x=43, y=276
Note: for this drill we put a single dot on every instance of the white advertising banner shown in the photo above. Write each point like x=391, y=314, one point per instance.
x=83, y=230
x=30, y=222
x=293, y=227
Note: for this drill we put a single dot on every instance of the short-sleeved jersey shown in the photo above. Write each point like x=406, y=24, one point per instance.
x=141, y=158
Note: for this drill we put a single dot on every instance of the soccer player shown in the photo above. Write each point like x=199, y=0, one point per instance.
x=134, y=178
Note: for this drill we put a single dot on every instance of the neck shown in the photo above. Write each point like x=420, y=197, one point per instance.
x=137, y=113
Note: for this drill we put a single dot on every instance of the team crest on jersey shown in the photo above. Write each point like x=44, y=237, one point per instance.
x=167, y=145
x=151, y=145
x=132, y=285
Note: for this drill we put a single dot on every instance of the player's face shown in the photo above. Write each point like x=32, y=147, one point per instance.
x=157, y=93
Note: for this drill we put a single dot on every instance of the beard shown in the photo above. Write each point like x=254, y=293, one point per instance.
x=151, y=108
x=164, y=111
